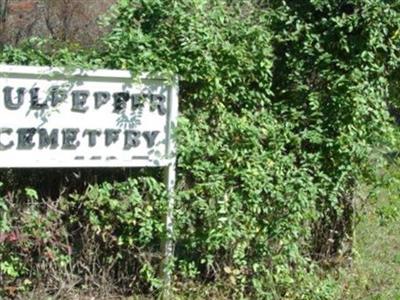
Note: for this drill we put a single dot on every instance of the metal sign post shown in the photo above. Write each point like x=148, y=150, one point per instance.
x=170, y=180
x=55, y=118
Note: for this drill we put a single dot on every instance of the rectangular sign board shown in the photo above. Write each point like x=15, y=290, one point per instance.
x=54, y=117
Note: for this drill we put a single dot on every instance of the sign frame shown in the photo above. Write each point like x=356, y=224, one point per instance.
x=53, y=74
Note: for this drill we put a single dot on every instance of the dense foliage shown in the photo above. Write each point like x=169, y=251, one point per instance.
x=281, y=106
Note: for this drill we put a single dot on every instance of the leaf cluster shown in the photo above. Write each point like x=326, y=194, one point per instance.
x=282, y=105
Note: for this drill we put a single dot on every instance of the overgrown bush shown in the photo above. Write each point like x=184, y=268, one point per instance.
x=281, y=106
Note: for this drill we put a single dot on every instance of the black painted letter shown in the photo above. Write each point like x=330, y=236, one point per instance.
x=137, y=101
x=131, y=139
x=92, y=133
x=46, y=140
x=8, y=98
x=158, y=102
x=69, y=138
x=120, y=100
x=112, y=136
x=79, y=100
x=150, y=137
x=10, y=144
x=57, y=95
x=25, y=137
x=35, y=99
x=101, y=98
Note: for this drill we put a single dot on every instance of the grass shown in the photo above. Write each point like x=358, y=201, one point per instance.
x=375, y=272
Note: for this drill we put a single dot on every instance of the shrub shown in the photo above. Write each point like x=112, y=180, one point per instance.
x=282, y=104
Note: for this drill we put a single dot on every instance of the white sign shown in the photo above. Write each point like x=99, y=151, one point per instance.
x=52, y=117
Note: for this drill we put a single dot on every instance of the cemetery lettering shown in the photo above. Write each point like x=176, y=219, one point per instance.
x=72, y=138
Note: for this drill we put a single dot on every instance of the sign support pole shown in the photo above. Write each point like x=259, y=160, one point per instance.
x=169, y=178
x=169, y=181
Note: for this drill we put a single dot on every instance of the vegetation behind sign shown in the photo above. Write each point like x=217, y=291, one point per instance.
x=282, y=105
